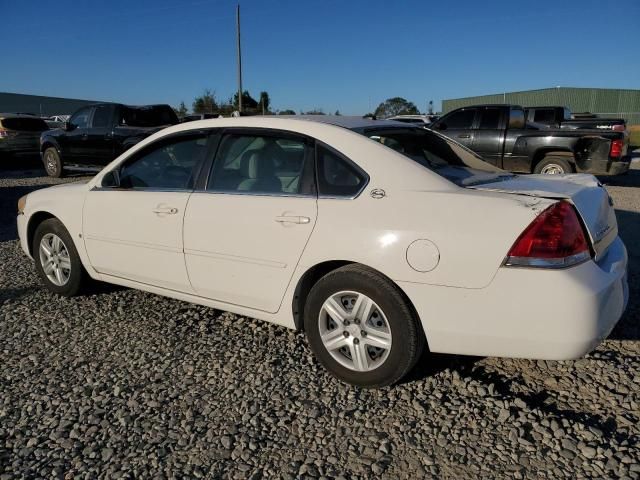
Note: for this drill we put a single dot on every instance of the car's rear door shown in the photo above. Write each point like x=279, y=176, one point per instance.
x=134, y=230
x=247, y=226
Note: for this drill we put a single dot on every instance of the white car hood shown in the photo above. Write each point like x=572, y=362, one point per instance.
x=591, y=199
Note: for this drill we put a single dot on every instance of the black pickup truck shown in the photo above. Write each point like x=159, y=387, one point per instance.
x=561, y=117
x=500, y=135
x=96, y=134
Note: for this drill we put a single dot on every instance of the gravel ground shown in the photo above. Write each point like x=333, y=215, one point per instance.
x=125, y=384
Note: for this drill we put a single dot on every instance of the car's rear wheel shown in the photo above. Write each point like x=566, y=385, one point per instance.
x=361, y=327
x=56, y=259
x=553, y=165
x=52, y=162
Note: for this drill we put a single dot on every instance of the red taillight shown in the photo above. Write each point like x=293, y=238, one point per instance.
x=616, y=148
x=554, y=239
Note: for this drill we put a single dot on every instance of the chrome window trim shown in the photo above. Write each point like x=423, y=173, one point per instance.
x=257, y=194
x=140, y=189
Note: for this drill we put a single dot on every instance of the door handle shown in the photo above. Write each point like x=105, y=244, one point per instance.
x=165, y=210
x=464, y=136
x=292, y=219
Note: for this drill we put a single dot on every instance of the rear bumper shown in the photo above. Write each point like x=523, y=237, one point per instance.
x=527, y=313
x=604, y=167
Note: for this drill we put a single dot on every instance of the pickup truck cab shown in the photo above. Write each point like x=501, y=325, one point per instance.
x=561, y=117
x=502, y=137
x=96, y=134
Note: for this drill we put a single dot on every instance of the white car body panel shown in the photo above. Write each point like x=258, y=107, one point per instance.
x=228, y=251
x=134, y=235
x=243, y=238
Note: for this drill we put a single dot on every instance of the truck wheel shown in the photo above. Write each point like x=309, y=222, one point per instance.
x=52, y=162
x=553, y=165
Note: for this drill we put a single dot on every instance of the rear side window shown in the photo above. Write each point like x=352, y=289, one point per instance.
x=170, y=165
x=101, y=116
x=337, y=177
x=462, y=119
x=262, y=165
x=24, y=124
x=490, y=119
x=148, y=116
x=544, y=116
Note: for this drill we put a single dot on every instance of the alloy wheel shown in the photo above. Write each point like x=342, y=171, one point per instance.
x=55, y=259
x=355, y=331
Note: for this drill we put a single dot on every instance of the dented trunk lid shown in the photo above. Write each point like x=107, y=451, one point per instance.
x=584, y=191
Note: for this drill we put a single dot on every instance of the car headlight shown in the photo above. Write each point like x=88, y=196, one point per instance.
x=22, y=203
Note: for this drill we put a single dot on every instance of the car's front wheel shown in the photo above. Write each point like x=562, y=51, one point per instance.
x=56, y=259
x=52, y=162
x=361, y=327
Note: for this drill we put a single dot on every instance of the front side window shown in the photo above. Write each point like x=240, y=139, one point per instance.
x=171, y=165
x=516, y=118
x=336, y=176
x=460, y=120
x=80, y=119
x=260, y=164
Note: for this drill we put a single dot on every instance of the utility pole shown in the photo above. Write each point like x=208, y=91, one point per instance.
x=239, y=59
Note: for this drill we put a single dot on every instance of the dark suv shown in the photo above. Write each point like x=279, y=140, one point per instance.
x=96, y=134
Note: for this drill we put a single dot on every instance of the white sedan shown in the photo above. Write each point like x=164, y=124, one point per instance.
x=378, y=239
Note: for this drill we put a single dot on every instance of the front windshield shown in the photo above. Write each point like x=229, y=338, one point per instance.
x=435, y=152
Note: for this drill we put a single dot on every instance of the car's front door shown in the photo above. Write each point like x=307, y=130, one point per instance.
x=458, y=126
x=488, y=141
x=134, y=230
x=99, y=143
x=74, y=142
x=245, y=231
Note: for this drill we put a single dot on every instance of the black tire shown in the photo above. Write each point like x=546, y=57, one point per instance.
x=408, y=339
x=77, y=273
x=553, y=162
x=52, y=162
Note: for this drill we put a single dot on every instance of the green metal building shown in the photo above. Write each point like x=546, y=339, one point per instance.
x=608, y=102
x=39, y=105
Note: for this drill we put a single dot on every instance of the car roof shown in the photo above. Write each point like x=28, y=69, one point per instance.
x=18, y=115
x=345, y=121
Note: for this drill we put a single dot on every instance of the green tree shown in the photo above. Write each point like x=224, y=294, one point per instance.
x=287, y=112
x=181, y=111
x=248, y=102
x=205, y=103
x=265, y=102
x=315, y=111
x=396, y=106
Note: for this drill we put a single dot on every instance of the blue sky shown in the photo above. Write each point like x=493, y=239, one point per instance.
x=348, y=55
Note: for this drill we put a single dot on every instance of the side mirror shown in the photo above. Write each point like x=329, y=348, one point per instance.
x=68, y=126
x=111, y=179
x=441, y=126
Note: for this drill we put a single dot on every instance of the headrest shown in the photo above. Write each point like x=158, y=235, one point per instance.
x=255, y=164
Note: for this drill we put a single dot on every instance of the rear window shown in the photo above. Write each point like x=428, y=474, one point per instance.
x=25, y=124
x=435, y=152
x=154, y=116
